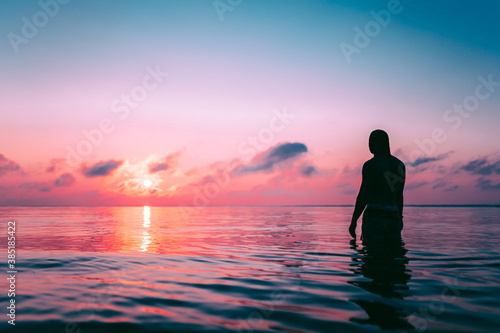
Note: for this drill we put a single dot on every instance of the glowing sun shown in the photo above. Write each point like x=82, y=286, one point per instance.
x=147, y=183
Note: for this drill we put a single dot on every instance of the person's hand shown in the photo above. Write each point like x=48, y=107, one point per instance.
x=352, y=230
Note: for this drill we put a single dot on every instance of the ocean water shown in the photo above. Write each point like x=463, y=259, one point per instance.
x=249, y=269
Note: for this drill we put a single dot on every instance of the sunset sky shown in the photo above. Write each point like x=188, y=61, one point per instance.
x=251, y=102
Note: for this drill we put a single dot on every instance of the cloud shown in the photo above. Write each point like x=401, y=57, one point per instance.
x=100, y=168
x=41, y=187
x=266, y=161
x=441, y=169
x=423, y=160
x=340, y=185
x=29, y=186
x=415, y=185
x=347, y=191
x=482, y=167
x=440, y=184
x=344, y=188
x=55, y=165
x=308, y=170
x=166, y=163
x=240, y=193
x=219, y=177
x=158, y=167
x=487, y=185
x=451, y=188
x=278, y=192
x=445, y=184
x=348, y=172
x=66, y=179
x=7, y=166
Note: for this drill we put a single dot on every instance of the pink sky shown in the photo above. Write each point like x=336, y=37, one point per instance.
x=172, y=86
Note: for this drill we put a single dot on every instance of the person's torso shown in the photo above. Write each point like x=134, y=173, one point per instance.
x=383, y=173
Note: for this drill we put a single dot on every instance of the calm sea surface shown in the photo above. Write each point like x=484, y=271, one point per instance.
x=252, y=269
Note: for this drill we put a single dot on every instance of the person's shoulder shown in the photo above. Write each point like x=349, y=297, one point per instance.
x=369, y=164
x=397, y=160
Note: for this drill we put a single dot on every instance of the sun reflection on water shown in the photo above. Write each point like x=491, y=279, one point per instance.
x=146, y=237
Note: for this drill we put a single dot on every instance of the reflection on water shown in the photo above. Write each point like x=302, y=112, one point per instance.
x=146, y=238
x=386, y=275
x=251, y=269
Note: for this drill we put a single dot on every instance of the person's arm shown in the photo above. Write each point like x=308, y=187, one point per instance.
x=361, y=202
x=399, y=194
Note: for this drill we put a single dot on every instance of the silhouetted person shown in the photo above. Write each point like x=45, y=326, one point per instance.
x=381, y=192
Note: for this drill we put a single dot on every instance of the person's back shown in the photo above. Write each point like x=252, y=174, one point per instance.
x=379, y=170
x=381, y=192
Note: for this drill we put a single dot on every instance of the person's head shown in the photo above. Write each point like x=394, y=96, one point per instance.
x=379, y=143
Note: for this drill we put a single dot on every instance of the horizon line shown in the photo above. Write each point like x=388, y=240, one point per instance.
x=410, y=205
